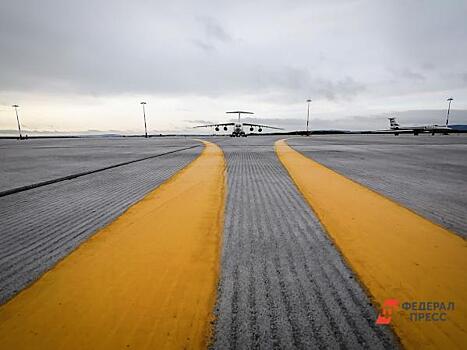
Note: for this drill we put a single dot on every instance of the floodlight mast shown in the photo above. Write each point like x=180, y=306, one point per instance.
x=449, y=109
x=308, y=117
x=17, y=120
x=144, y=116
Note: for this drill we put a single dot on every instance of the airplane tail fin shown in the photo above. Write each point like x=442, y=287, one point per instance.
x=393, y=123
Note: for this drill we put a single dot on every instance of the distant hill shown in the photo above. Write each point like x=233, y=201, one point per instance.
x=460, y=127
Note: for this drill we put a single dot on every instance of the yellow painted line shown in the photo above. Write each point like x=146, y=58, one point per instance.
x=395, y=252
x=146, y=281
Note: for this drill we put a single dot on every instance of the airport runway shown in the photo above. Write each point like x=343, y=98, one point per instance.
x=398, y=255
x=424, y=173
x=145, y=281
x=37, y=160
x=283, y=283
x=42, y=225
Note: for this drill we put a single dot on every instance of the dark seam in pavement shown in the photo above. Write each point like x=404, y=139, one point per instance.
x=74, y=176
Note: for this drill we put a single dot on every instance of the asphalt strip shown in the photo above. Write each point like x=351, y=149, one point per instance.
x=147, y=280
x=74, y=176
x=396, y=253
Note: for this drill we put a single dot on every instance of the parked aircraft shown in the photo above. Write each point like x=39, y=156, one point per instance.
x=397, y=129
x=238, y=127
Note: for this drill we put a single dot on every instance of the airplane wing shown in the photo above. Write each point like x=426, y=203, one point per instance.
x=210, y=125
x=263, y=126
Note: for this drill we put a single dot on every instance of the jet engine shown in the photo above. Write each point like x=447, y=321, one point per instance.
x=259, y=130
x=251, y=129
x=225, y=128
x=217, y=128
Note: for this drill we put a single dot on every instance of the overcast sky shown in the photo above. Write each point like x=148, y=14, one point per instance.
x=82, y=65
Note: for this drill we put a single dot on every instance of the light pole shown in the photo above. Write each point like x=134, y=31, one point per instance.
x=308, y=117
x=144, y=116
x=449, y=109
x=17, y=120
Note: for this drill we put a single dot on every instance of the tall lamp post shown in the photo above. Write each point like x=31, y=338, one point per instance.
x=449, y=109
x=17, y=120
x=308, y=117
x=144, y=116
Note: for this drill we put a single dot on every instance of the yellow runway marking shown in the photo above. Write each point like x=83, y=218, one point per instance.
x=146, y=281
x=395, y=252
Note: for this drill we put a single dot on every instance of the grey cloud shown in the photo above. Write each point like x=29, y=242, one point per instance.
x=408, y=74
x=291, y=83
x=214, y=30
x=428, y=66
x=203, y=45
x=345, y=88
x=213, y=34
x=274, y=50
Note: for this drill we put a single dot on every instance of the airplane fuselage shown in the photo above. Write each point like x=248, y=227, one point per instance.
x=238, y=130
x=423, y=129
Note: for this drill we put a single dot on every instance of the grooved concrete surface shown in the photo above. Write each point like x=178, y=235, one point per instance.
x=36, y=160
x=40, y=226
x=283, y=284
x=425, y=173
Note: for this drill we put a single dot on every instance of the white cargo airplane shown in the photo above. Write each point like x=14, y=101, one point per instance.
x=238, y=126
x=398, y=129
